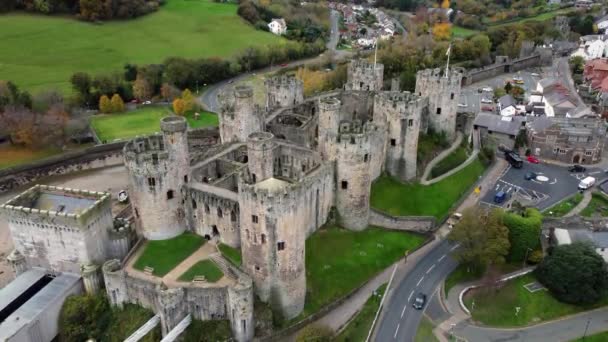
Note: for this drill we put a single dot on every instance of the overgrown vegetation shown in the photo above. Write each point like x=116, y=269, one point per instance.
x=317, y=79
x=232, y=254
x=453, y=160
x=207, y=331
x=358, y=328
x=598, y=206
x=430, y=145
x=164, y=255
x=562, y=208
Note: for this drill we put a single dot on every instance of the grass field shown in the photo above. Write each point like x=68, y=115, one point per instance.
x=232, y=254
x=457, y=157
x=142, y=121
x=358, y=328
x=164, y=255
x=58, y=46
x=564, y=207
x=461, y=32
x=206, y=268
x=498, y=308
x=16, y=155
x=425, y=331
x=597, y=207
x=395, y=198
x=339, y=260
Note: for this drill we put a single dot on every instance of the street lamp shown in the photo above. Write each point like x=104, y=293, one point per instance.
x=523, y=264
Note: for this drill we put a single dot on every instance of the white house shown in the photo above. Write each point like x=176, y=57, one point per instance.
x=278, y=26
x=592, y=47
x=599, y=240
x=602, y=24
x=507, y=105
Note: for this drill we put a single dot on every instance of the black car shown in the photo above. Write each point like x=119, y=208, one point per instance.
x=577, y=168
x=419, y=301
x=530, y=176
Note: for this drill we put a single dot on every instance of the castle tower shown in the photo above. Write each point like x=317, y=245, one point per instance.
x=364, y=75
x=172, y=307
x=240, y=119
x=443, y=94
x=17, y=262
x=158, y=169
x=260, y=152
x=91, y=278
x=273, y=241
x=115, y=282
x=329, y=122
x=353, y=174
x=283, y=91
x=240, y=306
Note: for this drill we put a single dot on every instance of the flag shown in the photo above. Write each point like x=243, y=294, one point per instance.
x=447, y=53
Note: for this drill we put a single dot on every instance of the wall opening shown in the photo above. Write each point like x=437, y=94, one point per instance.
x=280, y=246
x=215, y=231
x=344, y=185
x=170, y=194
x=438, y=110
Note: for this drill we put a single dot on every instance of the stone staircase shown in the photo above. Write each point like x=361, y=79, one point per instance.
x=225, y=266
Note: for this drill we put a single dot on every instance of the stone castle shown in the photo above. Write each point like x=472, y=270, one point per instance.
x=279, y=174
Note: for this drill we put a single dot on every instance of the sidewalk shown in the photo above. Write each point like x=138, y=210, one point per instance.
x=587, y=196
x=440, y=157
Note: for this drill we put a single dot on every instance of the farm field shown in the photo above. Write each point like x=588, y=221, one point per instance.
x=59, y=46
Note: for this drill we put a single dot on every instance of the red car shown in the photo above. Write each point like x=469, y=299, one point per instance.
x=532, y=159
x=284, y=64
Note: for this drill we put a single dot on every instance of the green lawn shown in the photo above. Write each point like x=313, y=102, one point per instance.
x=395, y=198
x=339, y=260
x=358, y=328
x=562, y=208
x=541, y=17
x=206, y=268
x=461, y=32
x=498, y=308
x=457, y=157
x=425, y=331
x=601, y=337
x=142, y=121
x=597, y=207
x=164, y=255
x=56, y=47
x=232, y=254
x=461, y=274
x=16, y=155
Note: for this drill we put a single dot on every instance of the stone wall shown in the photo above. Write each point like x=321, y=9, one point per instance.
x=419, y=224
x=537, y=59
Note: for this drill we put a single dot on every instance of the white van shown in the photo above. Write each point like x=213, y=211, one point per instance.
x=586, y=183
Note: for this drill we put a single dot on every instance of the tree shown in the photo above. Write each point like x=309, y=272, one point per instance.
x=508, y=87
x=118, y=105
x=574, y=274
x=141, y=88
x=577, y=64
x=83, y=317
x=81, y=82
x=130, y=72
x=168, y=92
x=179, y=107
x=316, y=333
x=105, y=105
x=188, y=99
x=483, y=237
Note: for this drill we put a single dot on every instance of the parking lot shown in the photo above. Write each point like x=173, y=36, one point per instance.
x=553, y=184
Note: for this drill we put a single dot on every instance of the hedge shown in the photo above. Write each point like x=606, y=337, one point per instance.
x=524, y=232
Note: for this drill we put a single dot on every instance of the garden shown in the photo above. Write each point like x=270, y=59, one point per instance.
x=164, y=255
x=203, y=268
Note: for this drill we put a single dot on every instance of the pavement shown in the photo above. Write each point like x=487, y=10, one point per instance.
x=441, y=156
x=581, y=205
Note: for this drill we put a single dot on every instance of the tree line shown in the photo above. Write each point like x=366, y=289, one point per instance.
x=91, y=10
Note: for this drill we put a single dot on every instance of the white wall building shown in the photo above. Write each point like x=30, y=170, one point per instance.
x=278, y=26
x=592, y=47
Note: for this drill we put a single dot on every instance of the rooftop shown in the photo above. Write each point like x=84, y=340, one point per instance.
x=500, y=124
x=271, y=184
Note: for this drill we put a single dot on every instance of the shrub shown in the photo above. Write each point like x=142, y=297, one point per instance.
x=524, y=232
x=315, y=332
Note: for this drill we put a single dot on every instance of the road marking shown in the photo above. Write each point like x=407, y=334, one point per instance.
x=555, y=181
x=594, y=172
x=403, y=311
x=396, y=331
x=453, y=248
x=410, y=297
x=430, y=269
x=442, y=257
x=419, y=281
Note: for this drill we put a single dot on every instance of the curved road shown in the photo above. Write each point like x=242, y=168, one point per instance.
x=399, y=319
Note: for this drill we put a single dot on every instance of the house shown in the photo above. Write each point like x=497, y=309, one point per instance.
x=567, y=140
x=585, y=4
x=595, y=72
x=497, y=130
x=591, y=47
x=556, y=97
x=507, y=105
x=602, y=24
x=278, y=26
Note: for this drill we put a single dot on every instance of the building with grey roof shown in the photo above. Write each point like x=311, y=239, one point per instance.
x=496, y=130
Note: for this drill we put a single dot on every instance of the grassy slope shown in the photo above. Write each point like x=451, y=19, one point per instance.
x=164, y=255
x=461, y=274
x=436, y=199
x=358, y=328
x=57, y=46
x=498, y=308
x=597, y=206
x=564, y=207
x=232, y=254
x=15, y=155
x=425, y=331
x=457, y=157
x=338, y=260
x=205, y=268
x=142, y=121
x=601, y=337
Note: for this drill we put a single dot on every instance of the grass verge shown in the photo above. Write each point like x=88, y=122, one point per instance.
x=461, y=274
x=206, y=268
x=425, y=331
x=232, y=254
x=601, y=337
x=16, y=155
x=358, y=328
x=562, y=208
x=399, y=199
x=164, y=255
x=598, y=206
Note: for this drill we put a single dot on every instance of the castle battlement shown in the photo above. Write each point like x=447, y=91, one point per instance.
x=438, y=75
x=283, y=81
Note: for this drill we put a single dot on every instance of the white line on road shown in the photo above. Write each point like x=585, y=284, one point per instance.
x=410, y=296
x=442, y=257
x=594, y=172
x=396, y=331
x=419, y=281
x=430, y=269
x=453, y=248
x=403, y=311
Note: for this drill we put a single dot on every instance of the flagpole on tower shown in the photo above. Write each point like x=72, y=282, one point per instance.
x=447, y=65
x=375, y=53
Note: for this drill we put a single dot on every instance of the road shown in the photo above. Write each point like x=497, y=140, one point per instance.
x=400, y=321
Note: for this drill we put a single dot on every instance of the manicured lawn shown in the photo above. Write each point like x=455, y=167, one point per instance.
x=498, y=308
x=597, y=207
x=564, y=207
x=232, y=254
x=358, y=328
x=399, y=199
x=339, y=260
x=206, y=268
x=601, y=337
x=142, y=121
x=457, y=157
x=16, y=155
x=425, y=331
x=164, y=255
x=461, y=32
x=56, y=47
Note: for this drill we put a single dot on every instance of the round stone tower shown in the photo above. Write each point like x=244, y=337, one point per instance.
x=17, y=262
x=158, y=168
x=329, y=122
x=353, y=174
x=240, y=304
x=260, y=152
x=243, y=117
x=91, y=278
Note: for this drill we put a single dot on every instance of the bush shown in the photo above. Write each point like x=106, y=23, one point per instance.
x=315, y=332
x=535, y=257
x=524, y=232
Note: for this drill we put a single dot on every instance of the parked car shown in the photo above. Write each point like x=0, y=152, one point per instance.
x=530, y=176
x=419, y=301
x=488, y=89
x=500, y=197
x=284, y=64
x=586, y=183
x=577, y=168
x=532, y=159
x=484, y=100
x=534, y=74
x=454, y=219
x=462, y=105
x=147, y=102
x=487, y=108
